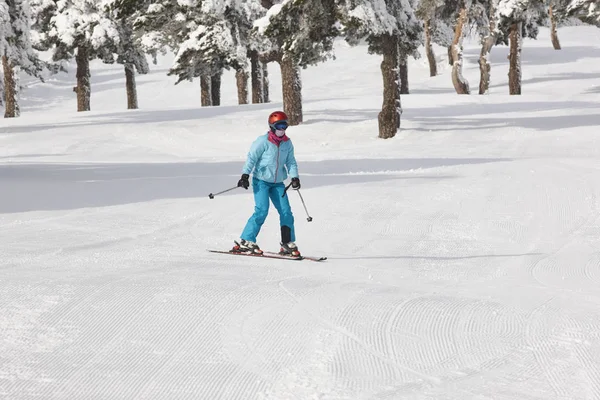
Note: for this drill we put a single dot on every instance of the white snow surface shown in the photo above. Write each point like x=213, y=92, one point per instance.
x=464, y=254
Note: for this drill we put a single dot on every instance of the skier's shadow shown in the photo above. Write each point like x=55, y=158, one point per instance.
x=439, y=258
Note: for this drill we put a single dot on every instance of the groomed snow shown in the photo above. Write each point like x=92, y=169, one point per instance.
x=464, y=254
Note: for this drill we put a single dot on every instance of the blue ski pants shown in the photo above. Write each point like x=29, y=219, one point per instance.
x=263, y=191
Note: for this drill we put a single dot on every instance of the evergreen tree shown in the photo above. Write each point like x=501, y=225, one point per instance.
x=487, y=32
x=297, y=33
x=449, y=14
x=587, y=11
x=16, y=51
x=82, y=29
x=427, y=12
x=515, y=19
x=128, y=49
x=552, y=5
x=458, y=80
x=213, y=45
x=207, y=37
x=392, y=30
x=4, y=32
x=161, y=26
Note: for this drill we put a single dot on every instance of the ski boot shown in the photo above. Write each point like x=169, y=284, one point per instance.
x=245, y=246
x=289, y=249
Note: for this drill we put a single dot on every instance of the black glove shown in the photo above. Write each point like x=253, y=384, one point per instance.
x=296, y=183
x=244, y=182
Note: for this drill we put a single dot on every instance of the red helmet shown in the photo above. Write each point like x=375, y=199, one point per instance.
x=277, y=116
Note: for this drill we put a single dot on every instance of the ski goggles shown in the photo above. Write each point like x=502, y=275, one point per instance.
x=280, y=125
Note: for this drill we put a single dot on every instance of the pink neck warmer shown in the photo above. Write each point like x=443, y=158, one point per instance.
x=273, y=138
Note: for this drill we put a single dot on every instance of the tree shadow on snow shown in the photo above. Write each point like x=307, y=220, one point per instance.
x=41, y=186
x=457, y=117
x=140, y=116
x=543, y=123
x=342, y=115
x=593, y=90
x=536, y=55
x=512, y=104
x=555, y=78
x=31, y=156
x=59, y=89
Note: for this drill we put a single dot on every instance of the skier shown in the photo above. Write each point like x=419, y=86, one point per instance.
x=270, y=160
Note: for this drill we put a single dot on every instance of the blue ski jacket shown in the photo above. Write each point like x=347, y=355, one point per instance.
x=270, y=162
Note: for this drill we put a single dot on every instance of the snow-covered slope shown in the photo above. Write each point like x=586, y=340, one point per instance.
x=464, y=257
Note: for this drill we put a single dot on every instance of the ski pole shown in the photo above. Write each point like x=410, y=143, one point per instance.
x=301, y=199
x=212, y=196
x=286, y=189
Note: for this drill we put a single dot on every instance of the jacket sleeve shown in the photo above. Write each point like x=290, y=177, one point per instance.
x=291, y=164
x=256, y=151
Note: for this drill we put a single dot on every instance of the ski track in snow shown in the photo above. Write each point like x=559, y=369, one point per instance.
x=464, y=256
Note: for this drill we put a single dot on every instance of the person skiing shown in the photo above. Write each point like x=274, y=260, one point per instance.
x=270, y=161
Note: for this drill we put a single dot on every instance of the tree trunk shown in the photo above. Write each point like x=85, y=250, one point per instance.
x=84, y=90
x=2, y=91
x=10, y=89
x=241, y=81
x=265, y=83
x=429, y=49
x=389, y=117
x=553, y=32
x=514, y=72
x=460, y=83
x=215, y=88
x=256, y=77
x=132, y=102
x=484, y=58
x=205, y=91
x=292, y=90
x=403, y=73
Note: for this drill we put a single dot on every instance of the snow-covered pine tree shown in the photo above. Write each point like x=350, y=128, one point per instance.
x=516, y=18
x=458, y=80
x=441, y=31
x=207, y=37
x=258, y=77
x=259, y=72
x=481, y=15
x=16, y=51
x=552, y=5
x=203, y=54
x=80, y=28
x=391, y=29
x=487, y=32
x=163, y=27
x=4, y=32
x=426, y=11
x=252, y=68
x=160, y=26
x=128, y=49
x=299, y=33
x=587, y=11
x=449, y=14
x=259, y=54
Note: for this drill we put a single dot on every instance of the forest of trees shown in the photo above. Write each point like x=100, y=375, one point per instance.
x=209, y=36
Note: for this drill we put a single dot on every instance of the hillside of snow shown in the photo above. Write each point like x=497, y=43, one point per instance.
x=463, y=254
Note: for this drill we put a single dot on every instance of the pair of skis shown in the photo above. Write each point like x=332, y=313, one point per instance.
x=269, y=254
